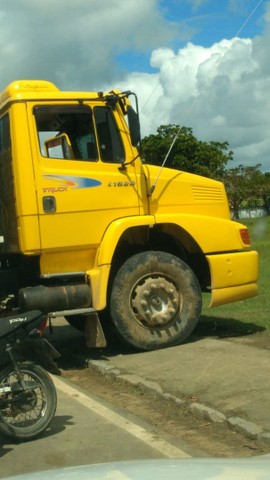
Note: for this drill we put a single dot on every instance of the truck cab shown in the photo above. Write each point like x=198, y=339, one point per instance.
x=86, y=227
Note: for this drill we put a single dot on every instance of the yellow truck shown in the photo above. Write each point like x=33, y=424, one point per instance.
x=86, y=227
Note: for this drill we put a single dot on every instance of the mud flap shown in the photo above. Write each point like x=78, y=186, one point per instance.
x=94, y=334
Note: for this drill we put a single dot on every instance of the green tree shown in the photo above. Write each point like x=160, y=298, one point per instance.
x=264, y=191
x=188, y=153
x=244, y=186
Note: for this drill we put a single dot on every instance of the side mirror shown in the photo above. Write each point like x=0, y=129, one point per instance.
x=134, y=126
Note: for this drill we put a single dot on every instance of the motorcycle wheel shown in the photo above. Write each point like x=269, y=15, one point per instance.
x=26, y=414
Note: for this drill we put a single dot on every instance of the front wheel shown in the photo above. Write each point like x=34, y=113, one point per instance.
x=26, y=413
x=155, y=301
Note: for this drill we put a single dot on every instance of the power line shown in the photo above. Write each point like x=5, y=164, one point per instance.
x=236, y=35
x=153, y=186
x=248, y=18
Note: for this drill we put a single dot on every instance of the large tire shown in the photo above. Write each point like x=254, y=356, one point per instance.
x=26, y=420
x=155, y=301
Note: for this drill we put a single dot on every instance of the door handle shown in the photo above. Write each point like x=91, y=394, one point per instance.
x=49, y=204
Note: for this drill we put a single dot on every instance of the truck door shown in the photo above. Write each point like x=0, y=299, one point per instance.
x=81, y=187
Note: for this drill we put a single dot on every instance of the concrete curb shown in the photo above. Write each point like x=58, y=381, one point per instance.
x=248, y=429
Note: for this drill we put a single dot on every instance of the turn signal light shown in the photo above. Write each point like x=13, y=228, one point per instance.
x=245, y=236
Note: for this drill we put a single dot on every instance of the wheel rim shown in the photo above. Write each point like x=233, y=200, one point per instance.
x=27, y=411
x=155, y=300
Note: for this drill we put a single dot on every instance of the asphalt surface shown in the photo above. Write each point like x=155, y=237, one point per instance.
x=85, y=431
x=223, y=381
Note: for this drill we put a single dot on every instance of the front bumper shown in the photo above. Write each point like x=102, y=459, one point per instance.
x=234, y=276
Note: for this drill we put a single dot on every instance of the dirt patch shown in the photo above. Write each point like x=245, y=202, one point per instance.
x=206, y=438
x=257, y=340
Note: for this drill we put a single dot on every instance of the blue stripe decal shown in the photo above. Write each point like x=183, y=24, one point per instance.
x=74, y=182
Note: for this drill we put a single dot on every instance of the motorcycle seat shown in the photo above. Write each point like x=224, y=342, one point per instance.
x=25, y=320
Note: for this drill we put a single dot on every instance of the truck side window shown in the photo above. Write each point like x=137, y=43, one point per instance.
x=109, y=139
x=4, y=133
x=66, y=132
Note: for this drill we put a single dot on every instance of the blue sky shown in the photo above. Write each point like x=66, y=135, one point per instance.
x=202, y=22
x=212, y=21
x=181, y=57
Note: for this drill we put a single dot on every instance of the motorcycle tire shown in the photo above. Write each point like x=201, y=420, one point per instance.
x=27, y=416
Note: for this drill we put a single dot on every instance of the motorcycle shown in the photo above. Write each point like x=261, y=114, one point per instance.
x=27, y=393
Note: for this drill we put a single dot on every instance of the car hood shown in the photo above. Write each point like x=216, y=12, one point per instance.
x=257, y=468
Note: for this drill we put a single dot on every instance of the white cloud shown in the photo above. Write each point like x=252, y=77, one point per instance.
x=75, y=43
x=221, y=91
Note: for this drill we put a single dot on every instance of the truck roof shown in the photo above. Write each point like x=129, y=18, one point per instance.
x=21, y=90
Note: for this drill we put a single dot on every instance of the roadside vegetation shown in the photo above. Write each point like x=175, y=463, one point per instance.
x=252, y=315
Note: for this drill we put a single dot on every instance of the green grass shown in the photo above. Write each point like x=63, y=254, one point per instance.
x=252, y=315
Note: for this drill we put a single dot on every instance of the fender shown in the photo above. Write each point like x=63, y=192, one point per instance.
x=114, y=232
x=212, y=234
x=99, y=275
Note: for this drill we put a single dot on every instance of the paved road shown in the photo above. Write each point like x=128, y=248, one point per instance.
x=228, y=377
x=85, y=431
